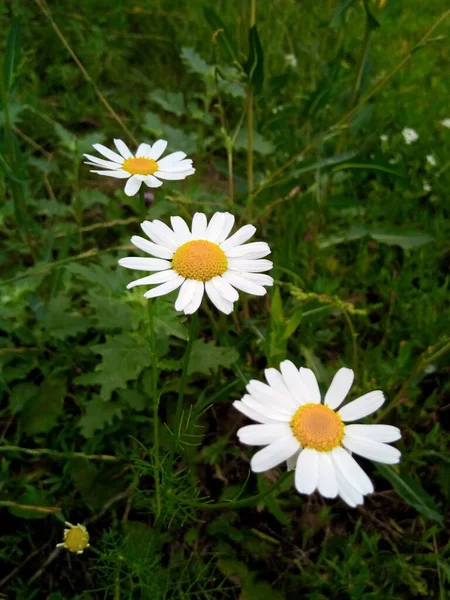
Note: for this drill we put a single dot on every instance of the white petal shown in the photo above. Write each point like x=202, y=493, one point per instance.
x=171, y=159
x=159, y=277
x=310, y=381
x=157, y=235
x=215, y=227
x=271, y=397
x=199, y=224
x=151, y=248
x=194, y=304
x=144, y=264
x=239, y=282
x=363, y=406
x=117, y=174
x=327, y=484
x=269, y=412
x=165, y=288
x=240, y=237
x=225, y=289
x=151, y=181
x=376, y=433
x=143, y=151
x=186, y=294
x=347, y=492
x=123, y=148
x=99, y=162
x=217, y=299
x=339, y=388
x=373, y=450
x=259, y=278
x=351, y=470
x=252, y=414
x=260, y=435
x=133, y=185
x=276, y=381
x=274, y=454
x=251, y=266
x=307, y=471
x=294, y=382
x=165, y=233
x=227, y=227
x=175, y=167
x=250, y=251
x=157, y=149
x=175, y=175
x=181, y=230
x=108, y=153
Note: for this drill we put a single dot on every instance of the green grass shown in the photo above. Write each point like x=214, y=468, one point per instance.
x=359, y=248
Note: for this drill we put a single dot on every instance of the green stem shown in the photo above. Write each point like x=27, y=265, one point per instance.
x=354, y=335
x=155, y=399
x=184, y=376
x=57, y=454
x=250, y=126
x=142, y=199
x=245, y=501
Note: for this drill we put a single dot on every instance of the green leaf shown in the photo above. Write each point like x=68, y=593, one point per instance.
x=22, y=393
x=167, y=321
x=41, y=414
x=98, y=414
x=254, y=66
x=405, y=240
x=323, y=163
x=220, y=29
x=60, y=322
x=206, y=357
x=172, y=102
x=176, y=138
x=88, y=198
x=271, y=502
x=110, y=313
x=260, y=143
x=372, y=22
x=412, y=493
x=123, y=359
x=195, y=62
x=32, y=497
x=355, y=232
x=12, y=56
x=371, y=165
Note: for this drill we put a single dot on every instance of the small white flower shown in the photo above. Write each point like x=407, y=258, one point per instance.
x=384, y=137
x=431, y=160
x=446, y=123
x=427, y=186
x=291, y=60
x=145, y=166
x=295, y=426
x=410, y=135
x=203, y=259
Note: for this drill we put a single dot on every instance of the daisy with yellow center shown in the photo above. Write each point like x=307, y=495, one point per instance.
x=313, y=437
x=201, y=259
x=76, y=538
x=145, y=166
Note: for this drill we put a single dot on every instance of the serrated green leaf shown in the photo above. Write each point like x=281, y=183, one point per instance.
x=60, y=321
x=172, y=102
x=109, y=313
x=260, y=143
x=195, y=62
x=40, y=414
x=88, y=198
x=167, y=321
x=206, y=357
x=412, y=493
x=98, y=414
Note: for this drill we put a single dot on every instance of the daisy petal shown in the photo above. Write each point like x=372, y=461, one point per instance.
x=217, y=299
x=239, y=282
x=327, y=485
x=157, y=149
x=163, y=231
x=351, y=470
x=259, y=278
x=269, y=411
x=182, y=165
x=151, y=181
x=307, y=471
x=171, y=159
x=181, y=229
x=276, y=381
x=226, y=289
x=117, y=174
x=122, y=148
x=375, y=433
x=186, y=294
x=260, y=435
x=165, y=288
x=156, y=234
x=175, y=175
x=151, y=248
x=363, y=406
x=249, y=251
x=339, y=388
x=99, y=162
x=197, y=299
x=294, y=382
x=376, y=451
x=347, y=492
x=144, y=264
x=274, y=454
x=252, y=266
x=199, y=225
x=310, y=381
x=227, y=227
x=240, y=237
x=143, y=151
x=270, y=397
x=215, y=227
x=108, y=153
x=159, y=277
x=252, y=414
x=132, y=186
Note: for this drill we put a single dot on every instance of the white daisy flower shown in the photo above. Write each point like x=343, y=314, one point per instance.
x=384, y=138
x=311, y=436
x=431, y=160
x=145, y=166
x=203, y=259
x=291, y=60
x=410, y=135
x=427, y=186
x=446, y=123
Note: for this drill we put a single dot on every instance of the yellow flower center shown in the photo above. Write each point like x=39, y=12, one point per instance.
x=317, y=426
x=140, y=166
x=200, y=260
x=76, y=539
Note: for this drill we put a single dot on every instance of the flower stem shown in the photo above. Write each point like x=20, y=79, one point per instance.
x=184, y=376
x=155, y=399
x=250, y=126
x=142, y=199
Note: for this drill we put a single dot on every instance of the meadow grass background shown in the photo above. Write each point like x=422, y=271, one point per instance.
x=359, y=236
